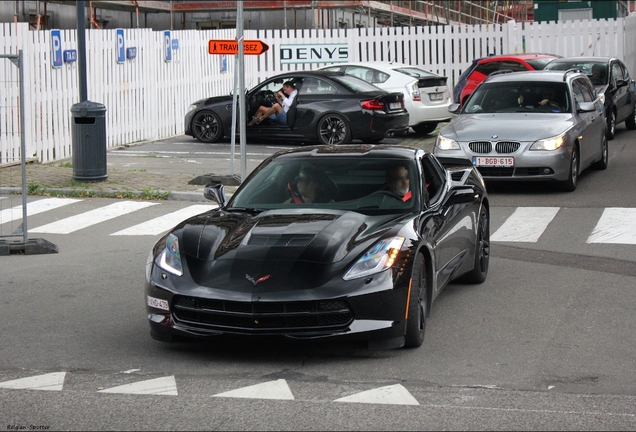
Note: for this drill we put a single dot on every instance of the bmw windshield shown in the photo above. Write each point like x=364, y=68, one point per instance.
x=530, y=96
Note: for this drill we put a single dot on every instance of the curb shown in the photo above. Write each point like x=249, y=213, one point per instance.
x=172, y=196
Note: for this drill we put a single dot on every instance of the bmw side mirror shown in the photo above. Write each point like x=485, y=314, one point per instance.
x=215, y=192
x=454, y=108
x=585, y=107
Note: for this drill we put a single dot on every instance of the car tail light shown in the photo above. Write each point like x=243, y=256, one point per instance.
x=415, y=92
x=372, y=104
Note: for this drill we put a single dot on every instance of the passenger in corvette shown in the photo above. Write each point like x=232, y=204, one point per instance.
x=309, y=187
x=397, y=180
x=278, y=111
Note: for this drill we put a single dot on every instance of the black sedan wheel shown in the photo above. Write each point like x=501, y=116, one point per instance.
x=482, y=252
x=333, y=130
x=206, y=127
x=425, y=128
x=630, y=122
x=416, y=320
x=611, y=125
x=570, y=184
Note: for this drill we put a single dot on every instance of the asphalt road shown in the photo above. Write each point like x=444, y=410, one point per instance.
x=547, y=342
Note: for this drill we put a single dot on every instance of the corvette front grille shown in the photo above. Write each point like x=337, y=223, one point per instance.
x=263, y=316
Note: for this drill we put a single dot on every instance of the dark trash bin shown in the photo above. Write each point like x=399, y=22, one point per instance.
x=89, y=141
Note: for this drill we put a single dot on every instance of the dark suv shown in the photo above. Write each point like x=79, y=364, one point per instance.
x=481, y=68
x=612, y=83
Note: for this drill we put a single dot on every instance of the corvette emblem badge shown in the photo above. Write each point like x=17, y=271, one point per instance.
x=256, y=281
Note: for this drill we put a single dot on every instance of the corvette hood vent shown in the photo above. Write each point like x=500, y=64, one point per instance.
x=280, y=240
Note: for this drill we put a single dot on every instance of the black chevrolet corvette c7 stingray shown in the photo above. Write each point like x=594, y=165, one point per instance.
x=318, y=242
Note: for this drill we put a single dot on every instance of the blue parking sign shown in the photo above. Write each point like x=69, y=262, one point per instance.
x=121, y=46
x=56, y=48
x=167, y=46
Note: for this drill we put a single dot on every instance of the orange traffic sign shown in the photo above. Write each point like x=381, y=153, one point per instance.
x=250, y=47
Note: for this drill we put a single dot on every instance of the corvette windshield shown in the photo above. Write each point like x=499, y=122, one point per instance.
x=526, y=97
x=365, y=185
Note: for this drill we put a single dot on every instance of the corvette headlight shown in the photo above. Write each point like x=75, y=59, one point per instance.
x=192, y=107
x=548, y=143
x=379, y=258
x=170, y=259
x=444, y=143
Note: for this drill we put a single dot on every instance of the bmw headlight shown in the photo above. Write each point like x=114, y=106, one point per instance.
x=548, y=143
x=170, y=258
x=380, y=257
x=444, y=143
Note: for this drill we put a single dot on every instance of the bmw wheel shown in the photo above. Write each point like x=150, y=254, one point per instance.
x=416, y=319
x=602, y=164
x=482, y=251
x=611, y=124
x=570, y=184
x=333, y=130
x=206, y=127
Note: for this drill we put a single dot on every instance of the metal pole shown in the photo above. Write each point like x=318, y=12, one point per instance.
x=25, y=227
x=81, y=50
x=242, y=122
x=234, y=96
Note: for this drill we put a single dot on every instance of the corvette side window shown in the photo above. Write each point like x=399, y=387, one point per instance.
x=434, y=177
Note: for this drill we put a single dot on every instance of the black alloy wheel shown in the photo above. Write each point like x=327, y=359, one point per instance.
x=416, y=321
x=333, y=130
x=570, y=184
x=482, y=251
x=206, y=127
x=611, y=124
x=425, y=128
x=602, y=164
x=630, y=122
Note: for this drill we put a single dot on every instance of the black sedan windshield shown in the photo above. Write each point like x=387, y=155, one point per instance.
x=369, y=186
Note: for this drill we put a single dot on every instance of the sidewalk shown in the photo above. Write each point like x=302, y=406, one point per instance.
x=152, y=178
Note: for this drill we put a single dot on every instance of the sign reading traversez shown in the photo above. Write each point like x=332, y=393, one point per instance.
x=314, y=53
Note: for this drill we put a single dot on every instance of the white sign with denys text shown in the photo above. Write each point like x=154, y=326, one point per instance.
x=314, y=53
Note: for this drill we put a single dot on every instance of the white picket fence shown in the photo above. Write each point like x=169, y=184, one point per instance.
x=147, y=97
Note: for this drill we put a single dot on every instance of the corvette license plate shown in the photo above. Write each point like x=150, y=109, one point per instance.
x=436, y=96
x=395, y=105
x=493, y=161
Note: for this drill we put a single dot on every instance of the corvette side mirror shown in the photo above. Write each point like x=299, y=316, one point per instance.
x=215, y=192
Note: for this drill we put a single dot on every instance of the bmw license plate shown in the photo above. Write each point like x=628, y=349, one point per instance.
x=436, y=96
x=493, y=161
x=395, y=105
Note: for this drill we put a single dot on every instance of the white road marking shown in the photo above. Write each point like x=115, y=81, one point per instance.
x=158, y=386
x=164, y=223
x=51, y=381
x=389, y=395
x=526, y=224
x=92, y=217
x=34, y=208
x=269, y=390
x=616, y=225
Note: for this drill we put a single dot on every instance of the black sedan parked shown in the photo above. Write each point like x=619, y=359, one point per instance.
x=329, y=241
x=613, y=85
x=330, y=108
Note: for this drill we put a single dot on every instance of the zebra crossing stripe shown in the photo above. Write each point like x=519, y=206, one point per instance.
x=388, y=395
x=164, y=223
x=526, y=224
x=51, y=381
x=158, y=386
x=34, y=207
x=616, y=225
x=92, y=217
